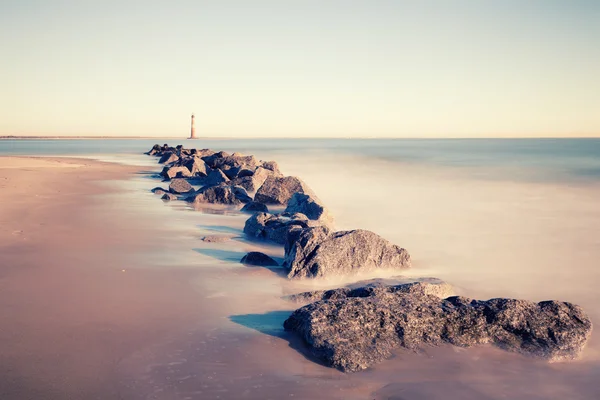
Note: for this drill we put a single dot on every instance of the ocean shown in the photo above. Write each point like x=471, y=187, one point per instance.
x=494, y=217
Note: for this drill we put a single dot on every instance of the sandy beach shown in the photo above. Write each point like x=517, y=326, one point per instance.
x=72, y=304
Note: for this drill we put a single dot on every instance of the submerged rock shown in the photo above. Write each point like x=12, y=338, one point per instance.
x=216, y=238
x=255, y=206
x=353, y=333
x=169, y=197
x=317, y=253
x=280, y=190
x=258, y=258
x=310, y=206
x=180, y=186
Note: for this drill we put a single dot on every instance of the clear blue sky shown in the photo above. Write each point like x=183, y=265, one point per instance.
x=301, y=68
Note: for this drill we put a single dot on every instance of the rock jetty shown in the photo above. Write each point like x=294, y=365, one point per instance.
x=354, y=327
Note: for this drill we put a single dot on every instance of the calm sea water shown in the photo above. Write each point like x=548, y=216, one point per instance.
x=494, y=218
x=517, y=159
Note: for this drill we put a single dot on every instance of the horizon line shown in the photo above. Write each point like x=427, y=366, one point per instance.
x=33, y=137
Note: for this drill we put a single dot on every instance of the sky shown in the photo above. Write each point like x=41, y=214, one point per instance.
x=326, y=68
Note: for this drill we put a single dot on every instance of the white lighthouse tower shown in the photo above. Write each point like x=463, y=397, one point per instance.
x=193, y=130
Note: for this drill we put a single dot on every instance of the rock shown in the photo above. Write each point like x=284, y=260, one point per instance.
x=196, y=166
x=375, y=287
x=280, y=190
x=315, y=253
x=169, y=196
x=159, y=190
x=216, y=238
x=168, y=157
x=353, y=333
x=215, y=177
x=310, y=206
x=254, y=206
x=253, y=182
x=175, y=172
x=244, y=172
x=222, y=195
x=203, y=153
x=154, y=150
x=211, y=160
x=275, y=228
x=180, y=186
x=273, y=167
x=258, y=258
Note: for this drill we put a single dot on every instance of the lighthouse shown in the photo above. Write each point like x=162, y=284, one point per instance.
x=193, y=130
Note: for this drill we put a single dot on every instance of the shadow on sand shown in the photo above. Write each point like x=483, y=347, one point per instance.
x=271, y=323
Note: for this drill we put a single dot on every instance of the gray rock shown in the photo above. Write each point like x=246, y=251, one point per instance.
x=169, y=196
x=258, y=258
x=273, y=167
x=222, y=194
x=275, y=228
x=353, y=333
x=168, y=157
x=213, y=160
x=196, y=166
x=253, y=182
x=215, y=177
x=156, y=149
x=254, y=206
x=280, y=190
x=315, y=253
x=180, y=186
x=175, y=172
x=375, y=287
x=310, y=206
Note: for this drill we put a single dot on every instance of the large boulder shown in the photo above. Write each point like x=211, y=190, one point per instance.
x=310, y=206
x=175, y=172
x=280, y=190
x=317, y=253
x=275, y=228
x=258, y=258
x=180, y=186
x=222, y=194
x=376, y=287
x=353, y=333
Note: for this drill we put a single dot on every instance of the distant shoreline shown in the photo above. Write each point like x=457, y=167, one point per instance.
x=288, y=138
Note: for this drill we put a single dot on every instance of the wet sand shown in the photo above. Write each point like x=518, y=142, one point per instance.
x=108, y=293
